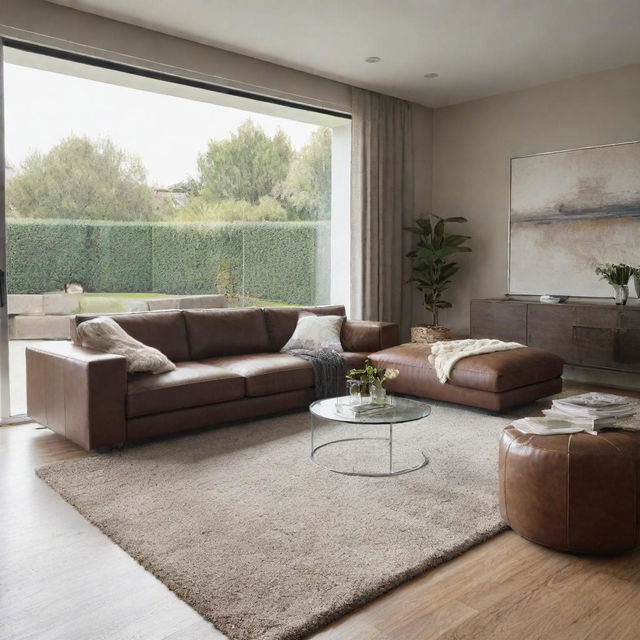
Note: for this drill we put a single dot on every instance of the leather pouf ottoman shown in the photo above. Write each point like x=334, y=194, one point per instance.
x=577, y=493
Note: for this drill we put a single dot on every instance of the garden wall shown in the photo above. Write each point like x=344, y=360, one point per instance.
x=279, y=261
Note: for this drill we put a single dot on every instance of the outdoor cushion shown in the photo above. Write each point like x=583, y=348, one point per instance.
x=267, y=373
x=191, y=385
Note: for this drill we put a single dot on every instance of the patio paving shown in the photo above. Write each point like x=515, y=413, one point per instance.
x=17, y=373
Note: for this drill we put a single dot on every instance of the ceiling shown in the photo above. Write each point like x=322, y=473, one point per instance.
x=478, y=47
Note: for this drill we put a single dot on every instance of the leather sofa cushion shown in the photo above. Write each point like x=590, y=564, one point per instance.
x=354, y=359
x=191, y=385
x=281, y=321
x=494, y=372
x=163, y=330
x=211, y=414
x=363, y=335
x=222, y=332
x=268, y=373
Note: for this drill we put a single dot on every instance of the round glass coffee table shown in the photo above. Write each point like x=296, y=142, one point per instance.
x=367, y=454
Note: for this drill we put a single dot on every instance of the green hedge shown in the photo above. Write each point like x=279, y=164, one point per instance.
x=289, y=272
x=122, y=257
x=43, y=255
x=283, y=261
x=191, y=257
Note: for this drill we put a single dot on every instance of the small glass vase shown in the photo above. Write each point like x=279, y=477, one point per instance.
x=354, y=391
x=621, y=292
x=378, y=394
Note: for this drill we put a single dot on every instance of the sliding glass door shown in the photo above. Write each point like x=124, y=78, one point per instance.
x=126, y=192
x=5, y=388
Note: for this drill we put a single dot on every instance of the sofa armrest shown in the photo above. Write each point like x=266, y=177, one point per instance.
x=367, y=336
x=77, y=392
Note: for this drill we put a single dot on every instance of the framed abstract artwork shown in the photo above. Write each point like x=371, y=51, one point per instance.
x=570, y=211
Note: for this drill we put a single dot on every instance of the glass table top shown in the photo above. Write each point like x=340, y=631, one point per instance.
x=402, y=410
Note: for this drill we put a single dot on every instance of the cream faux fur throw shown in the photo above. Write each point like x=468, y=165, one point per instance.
x=105, y=334
x=444, y=355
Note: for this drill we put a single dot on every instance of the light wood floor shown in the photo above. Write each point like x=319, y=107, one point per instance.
x=62, y=579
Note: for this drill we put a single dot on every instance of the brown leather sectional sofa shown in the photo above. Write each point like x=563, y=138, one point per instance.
x=229, y=367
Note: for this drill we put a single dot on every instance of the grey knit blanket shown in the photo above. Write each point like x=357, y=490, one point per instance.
x=329, y=370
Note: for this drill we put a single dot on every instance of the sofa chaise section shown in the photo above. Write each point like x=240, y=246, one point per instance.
x=493, y=381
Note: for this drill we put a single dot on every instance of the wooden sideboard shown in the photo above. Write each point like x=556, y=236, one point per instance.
x=594, y=334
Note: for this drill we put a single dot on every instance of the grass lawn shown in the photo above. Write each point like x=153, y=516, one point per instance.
x=128, y=295
x=258, y=302
x=119, y=301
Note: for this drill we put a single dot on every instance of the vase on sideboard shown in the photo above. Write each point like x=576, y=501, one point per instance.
x=621, y=293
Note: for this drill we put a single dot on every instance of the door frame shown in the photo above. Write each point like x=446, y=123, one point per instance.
x=6, y=416
x=5, y=388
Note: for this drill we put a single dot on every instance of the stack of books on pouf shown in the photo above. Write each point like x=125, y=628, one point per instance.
x=588, y=412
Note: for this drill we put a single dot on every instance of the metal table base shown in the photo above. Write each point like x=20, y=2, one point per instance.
x=382, y=474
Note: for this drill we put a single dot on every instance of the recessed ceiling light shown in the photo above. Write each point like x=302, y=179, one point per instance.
x=431, y=76
x=372, y=59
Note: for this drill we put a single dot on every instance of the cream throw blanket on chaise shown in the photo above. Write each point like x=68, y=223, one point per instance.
x=444, y=355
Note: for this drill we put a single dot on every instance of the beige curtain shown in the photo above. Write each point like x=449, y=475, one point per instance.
x=382, y=204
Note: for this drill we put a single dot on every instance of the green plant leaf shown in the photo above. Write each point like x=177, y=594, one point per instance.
x=449, y=269
x=425, y=225
x=444, y=252
x=455, y=240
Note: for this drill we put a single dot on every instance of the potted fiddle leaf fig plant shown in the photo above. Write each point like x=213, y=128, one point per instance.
x=433, y=270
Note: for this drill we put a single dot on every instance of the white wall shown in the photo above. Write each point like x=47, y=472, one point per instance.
x=473, y=144
x=423, y=127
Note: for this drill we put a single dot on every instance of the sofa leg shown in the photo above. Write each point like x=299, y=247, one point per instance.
x=108, y=448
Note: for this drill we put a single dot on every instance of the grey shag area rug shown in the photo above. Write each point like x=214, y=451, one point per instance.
x=242, y=526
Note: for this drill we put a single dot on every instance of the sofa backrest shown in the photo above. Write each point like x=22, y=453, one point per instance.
x=281, y=321
x=164, y=330
x=197, y=334
x=226, y=332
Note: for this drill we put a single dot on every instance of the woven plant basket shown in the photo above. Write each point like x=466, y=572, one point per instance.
x=427, y=334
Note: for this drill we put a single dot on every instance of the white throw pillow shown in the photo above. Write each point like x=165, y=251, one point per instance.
x=105, y=334
x=316, y=333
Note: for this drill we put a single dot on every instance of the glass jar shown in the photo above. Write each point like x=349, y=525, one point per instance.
x=354, y=391
x=621, y=293
x=378, y=394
